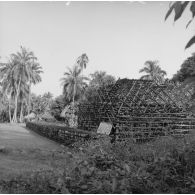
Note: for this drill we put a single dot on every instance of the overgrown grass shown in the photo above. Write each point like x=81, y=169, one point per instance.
x=166, y=165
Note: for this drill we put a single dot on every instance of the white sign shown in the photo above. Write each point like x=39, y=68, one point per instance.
x=104, y=128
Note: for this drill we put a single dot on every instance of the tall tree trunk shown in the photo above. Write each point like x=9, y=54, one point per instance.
x=14, y=119
x=16, y=102
x=10, y=117
x=29, y=99
x=21, y=113
x=73, y=99
x=74, y=93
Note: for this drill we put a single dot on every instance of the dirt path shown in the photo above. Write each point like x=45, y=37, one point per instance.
x=17, y=136
x=22, y=150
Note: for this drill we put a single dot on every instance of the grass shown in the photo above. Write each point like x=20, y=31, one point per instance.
x=23, y=151
x=165, y=165
x=30, y=169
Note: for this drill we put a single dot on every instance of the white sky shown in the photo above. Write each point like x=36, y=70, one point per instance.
x=118, y=37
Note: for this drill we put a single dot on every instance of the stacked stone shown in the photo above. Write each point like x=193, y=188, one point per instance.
x=140, y=109
x=60, y=133
x=89, y=116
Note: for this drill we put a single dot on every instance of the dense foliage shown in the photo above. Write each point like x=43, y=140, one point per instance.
x=163, y=166
x=101, y=79
x=16, y=77
x=58, y=105
x=97, y=80
x=186, y=76
x=42, y=103
x=187, y=70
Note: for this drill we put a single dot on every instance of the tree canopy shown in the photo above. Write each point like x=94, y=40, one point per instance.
x=41, y=104
x=73, y=83
x=16, y=77
x=187, y=70
x=153, y=72
x=178, y=7
x=100, y=79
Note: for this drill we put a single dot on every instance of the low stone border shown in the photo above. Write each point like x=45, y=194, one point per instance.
x=60, y=133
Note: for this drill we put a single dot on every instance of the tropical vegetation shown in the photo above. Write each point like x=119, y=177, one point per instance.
x=42, y=103
x=164, y=165
x=153, y=72
x=73, y=83
x=187, y=70
x=23, y=70
x=17, y=76
x=101, y=79
x=179, y=7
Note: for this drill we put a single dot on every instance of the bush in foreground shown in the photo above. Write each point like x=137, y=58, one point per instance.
x=166, y=165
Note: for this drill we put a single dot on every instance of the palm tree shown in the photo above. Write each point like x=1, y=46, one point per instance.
x=35, y=78
x=154, y=72
x=8, y=83
x=26, y=70
x=4, y=103
x=73, y=83
x=23, y=98
x=82, y=61
x=17, y=77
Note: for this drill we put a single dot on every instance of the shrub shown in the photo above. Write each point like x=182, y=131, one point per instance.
x=4, y=116
x=41, y=182
x=156, y=167
x=166, y=165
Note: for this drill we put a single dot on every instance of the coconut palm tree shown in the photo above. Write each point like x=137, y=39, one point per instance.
x=153, y=72
x=23, y=98
x=34, y=78
x=4, y=103
x=27, y=71
x=82, y=61
x=18, y=75
x=73, y=83
x=8, y=83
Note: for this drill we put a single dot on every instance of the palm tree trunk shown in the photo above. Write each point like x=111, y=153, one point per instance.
x=21, y=113
x=73, y=101
x=16, y=102
x=14, y=119
x=29, y=99
x=10, y=117
x=74, y=92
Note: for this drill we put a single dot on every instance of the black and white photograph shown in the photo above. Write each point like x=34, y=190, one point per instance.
x=97, y=97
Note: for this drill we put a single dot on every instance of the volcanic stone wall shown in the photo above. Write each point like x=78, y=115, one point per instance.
x=60, y=133
x=138, y=109
x=89, y=116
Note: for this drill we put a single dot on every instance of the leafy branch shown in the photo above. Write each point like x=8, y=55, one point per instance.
x=178, y=7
